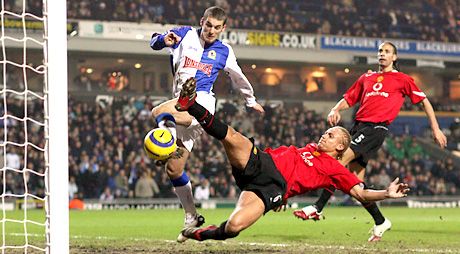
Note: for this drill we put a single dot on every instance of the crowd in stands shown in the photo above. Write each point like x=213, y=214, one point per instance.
x=438, y=103
x=107, y=161
x=431, y=20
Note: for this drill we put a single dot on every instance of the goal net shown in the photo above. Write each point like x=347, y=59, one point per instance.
x=33, y=127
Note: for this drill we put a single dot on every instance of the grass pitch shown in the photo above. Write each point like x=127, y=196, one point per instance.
x=345, y=230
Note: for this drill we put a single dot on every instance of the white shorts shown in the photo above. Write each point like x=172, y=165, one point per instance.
x=189, y=134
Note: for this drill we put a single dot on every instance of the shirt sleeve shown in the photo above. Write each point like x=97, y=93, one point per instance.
x=344, y=180
x=157, y=42
x=353, y=94
x=239, y=80
x=413, y=91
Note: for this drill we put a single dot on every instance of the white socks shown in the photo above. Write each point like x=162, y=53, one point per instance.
x=184, y=193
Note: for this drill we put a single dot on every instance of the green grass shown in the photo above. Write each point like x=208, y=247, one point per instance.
x=345, y=230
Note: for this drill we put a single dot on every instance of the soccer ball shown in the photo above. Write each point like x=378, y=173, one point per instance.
x=159, y=144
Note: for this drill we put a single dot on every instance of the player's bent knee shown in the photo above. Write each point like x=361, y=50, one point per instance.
x=233, y=135
x=156, y=111
x=173, y=170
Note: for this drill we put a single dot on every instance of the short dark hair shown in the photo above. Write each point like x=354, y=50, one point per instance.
x=215, y=12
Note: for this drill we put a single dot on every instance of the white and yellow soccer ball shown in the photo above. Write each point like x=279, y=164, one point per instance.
x=159, y=144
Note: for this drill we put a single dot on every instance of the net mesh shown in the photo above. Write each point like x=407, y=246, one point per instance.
x=23, y=120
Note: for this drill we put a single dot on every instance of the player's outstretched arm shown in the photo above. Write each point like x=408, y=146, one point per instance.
x=159, y=41
x=333, y=118
x=438, y=136
x=394, y=190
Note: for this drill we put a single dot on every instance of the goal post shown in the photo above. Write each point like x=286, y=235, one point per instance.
x=33, y=127
x=55, y=21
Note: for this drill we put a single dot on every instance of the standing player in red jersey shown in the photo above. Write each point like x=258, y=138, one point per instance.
x=381, y=95
x=268, y=178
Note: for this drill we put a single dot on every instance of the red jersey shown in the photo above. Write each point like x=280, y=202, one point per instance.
x=381, y=95
x=305, y=169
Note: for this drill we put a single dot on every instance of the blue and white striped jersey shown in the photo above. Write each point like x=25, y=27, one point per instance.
x=192, y=58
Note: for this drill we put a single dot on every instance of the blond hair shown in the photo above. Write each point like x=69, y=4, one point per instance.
x=345, y=141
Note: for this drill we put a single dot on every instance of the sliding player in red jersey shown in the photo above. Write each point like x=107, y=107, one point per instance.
x=381, y=95
x=268, y=178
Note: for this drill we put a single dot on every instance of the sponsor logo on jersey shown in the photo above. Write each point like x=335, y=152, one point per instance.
x=205, y=68
x=212, y=54
x=377, y=87
x=307, y=156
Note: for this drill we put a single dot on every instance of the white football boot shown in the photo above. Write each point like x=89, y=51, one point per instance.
x=190, y=221
x=308, y=213
x=378, y=230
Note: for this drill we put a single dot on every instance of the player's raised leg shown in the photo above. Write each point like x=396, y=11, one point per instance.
x=181, y=118
x=237, y=147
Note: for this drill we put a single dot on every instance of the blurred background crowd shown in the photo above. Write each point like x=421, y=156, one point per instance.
x=107, y=160
x=429, y=20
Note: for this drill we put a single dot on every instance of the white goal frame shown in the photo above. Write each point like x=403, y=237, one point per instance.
x=55, y=51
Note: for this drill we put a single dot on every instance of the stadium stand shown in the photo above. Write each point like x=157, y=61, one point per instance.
x=106, y=154
x=429, y=20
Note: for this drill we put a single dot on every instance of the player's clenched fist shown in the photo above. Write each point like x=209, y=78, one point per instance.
x=171, y=39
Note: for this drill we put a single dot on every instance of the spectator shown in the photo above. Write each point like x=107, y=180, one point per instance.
x=106, y=195
x=13, y=161
x=202, y=192
x=121, y=184
x=77, y=202
x=146, y=187
x=73, y=188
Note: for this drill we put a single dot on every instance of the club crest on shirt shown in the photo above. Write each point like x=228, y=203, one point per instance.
x=212, y=54
x=379, y=78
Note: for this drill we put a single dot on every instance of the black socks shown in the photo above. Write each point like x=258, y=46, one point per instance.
x=212, y=126
x=324, y=198
x=374, y=211
x=217, y=234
